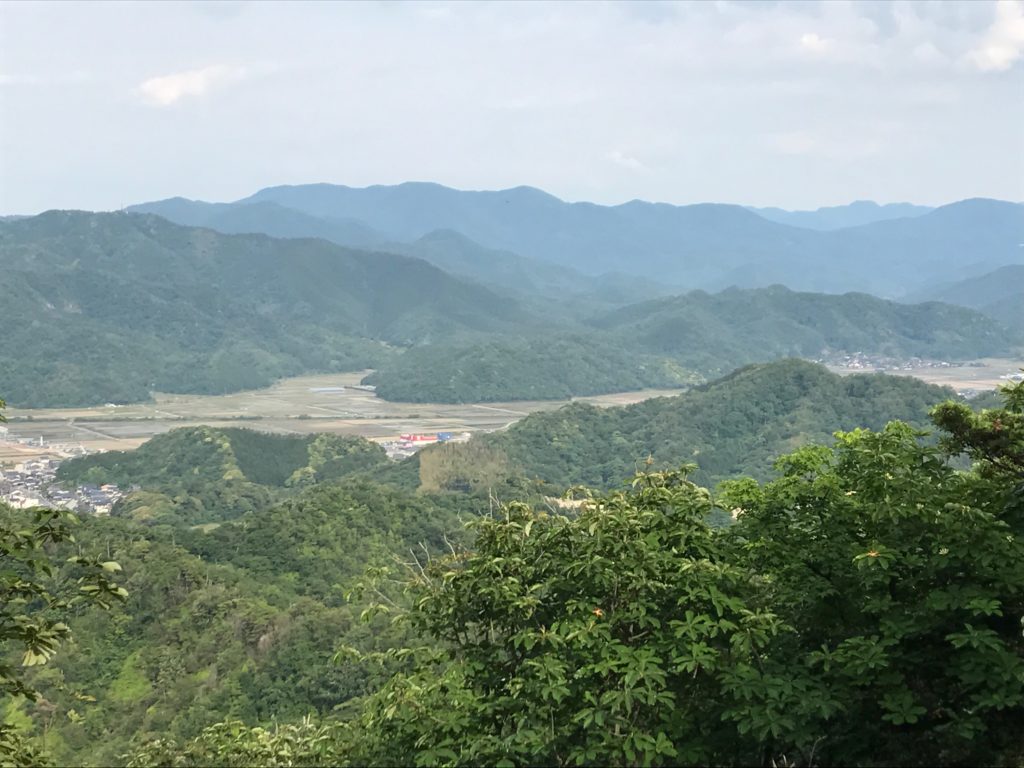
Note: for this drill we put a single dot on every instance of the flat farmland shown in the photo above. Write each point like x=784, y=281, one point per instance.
x=978, y=376
x=322, y=403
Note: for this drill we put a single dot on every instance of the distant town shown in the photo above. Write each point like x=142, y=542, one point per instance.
x=33, y=483
x=967, y=378
x=407, y=445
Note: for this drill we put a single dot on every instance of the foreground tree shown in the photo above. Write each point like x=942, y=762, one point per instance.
x=37, y=593
x=865, y=609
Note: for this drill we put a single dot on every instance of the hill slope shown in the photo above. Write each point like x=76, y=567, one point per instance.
x=552, y=367
x=735, y=425
x=998, y=294
x=202, y=474
x=108, y=307
x=676, y=341
x=719, y=332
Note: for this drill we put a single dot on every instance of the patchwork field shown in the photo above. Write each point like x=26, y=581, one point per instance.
x=324, y=403
x=330, y=403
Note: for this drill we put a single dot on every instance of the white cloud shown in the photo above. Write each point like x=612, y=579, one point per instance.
x=813, y=42
x=167, y=89
x=1004, y=42
x=626, y=161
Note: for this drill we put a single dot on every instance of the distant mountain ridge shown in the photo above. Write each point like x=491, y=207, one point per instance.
x=707, y=246
x=998, y=294
x=855, y=214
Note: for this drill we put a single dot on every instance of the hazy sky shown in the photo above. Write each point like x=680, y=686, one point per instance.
x=791, y=104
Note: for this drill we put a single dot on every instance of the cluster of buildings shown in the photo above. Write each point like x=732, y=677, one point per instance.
x=407, y=445
x=881, y=363
x=33, y=483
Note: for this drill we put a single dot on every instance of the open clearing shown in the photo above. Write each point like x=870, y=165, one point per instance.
x=322, y=403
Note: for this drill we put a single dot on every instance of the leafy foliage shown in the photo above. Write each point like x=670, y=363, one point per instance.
x=865, y=608
x=37, y=597
x=236, y=744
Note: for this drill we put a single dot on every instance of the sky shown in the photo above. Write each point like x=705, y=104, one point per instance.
x=789, y=104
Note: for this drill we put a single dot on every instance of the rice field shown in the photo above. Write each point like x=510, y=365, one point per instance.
x=305, y=404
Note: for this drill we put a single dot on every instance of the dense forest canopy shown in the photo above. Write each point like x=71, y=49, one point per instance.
x=863, y=608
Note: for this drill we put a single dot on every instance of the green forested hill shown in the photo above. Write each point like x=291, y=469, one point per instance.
x=263, y=619
x=675, y=341
x=735, y=425
x=108, y=307
x=200, y=474
x=716, y=333
x=549, y=368
x=242, y=621
x=998, y=294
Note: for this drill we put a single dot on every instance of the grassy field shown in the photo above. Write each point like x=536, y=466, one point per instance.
x=325, y=403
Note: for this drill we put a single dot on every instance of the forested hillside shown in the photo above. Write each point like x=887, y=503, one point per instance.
x=200, y=474
x=736, y=425
x=998, y=294
x=680, y=340
x=109, y=307
x=242, y=622
x=553, y=367
x=715, y=333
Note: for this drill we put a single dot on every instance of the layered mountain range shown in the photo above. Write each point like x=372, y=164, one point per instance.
x=892, y=252
x=471, y=296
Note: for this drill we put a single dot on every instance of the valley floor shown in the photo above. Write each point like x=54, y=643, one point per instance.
x=967, y=380
x=332, y=403
x=305, y=404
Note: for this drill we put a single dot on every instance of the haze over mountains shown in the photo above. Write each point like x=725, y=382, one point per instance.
x=707, y=246
x=855, y=214
x=999, y=294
